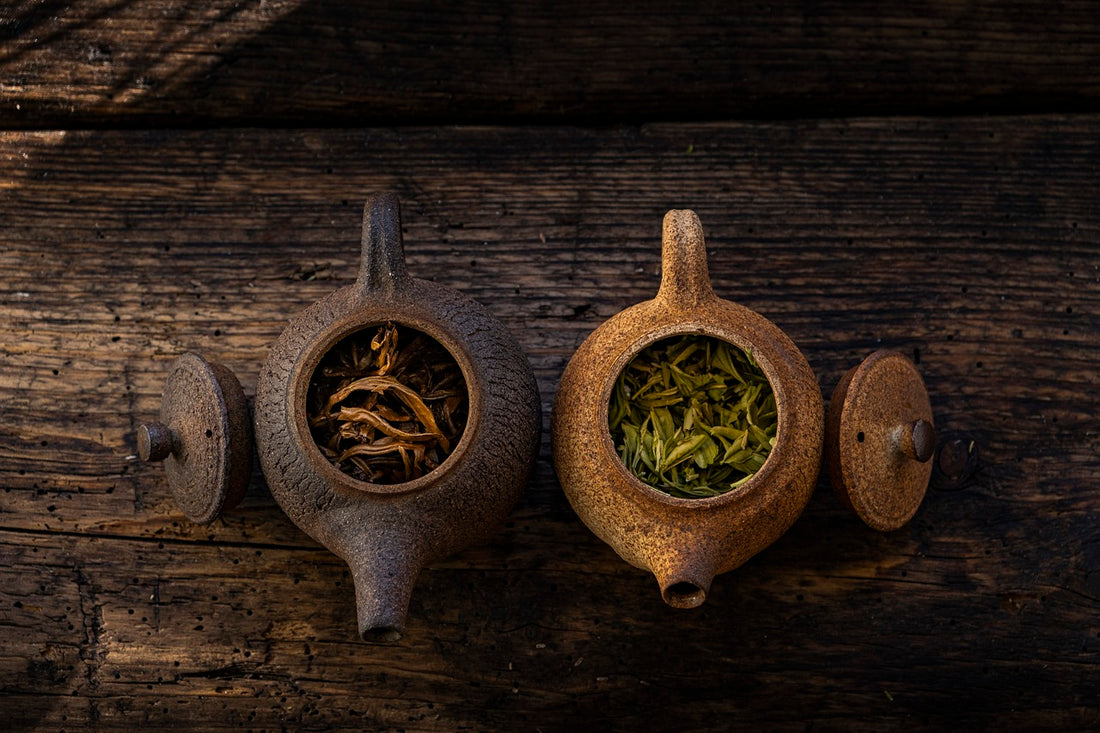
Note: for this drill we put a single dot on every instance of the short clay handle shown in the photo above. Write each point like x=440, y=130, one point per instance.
x=382, y=270
x=685, y=280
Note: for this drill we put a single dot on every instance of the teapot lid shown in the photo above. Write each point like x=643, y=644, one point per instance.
x=879, y=439
x=204, y=438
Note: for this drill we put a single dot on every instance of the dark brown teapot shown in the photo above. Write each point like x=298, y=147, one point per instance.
x=386, y=532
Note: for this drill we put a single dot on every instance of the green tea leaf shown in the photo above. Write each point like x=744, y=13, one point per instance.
x=693, y=416
x=683, y=451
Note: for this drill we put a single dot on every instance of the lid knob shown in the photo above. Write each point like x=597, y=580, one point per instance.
x=156, y=442
x=918, y=440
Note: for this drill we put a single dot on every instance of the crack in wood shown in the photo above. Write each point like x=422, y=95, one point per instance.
x=131, y=412
x=156, y=603
x=92, y=649
x=225, y=544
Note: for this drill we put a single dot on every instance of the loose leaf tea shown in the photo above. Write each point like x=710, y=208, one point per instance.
x=387, y=409
x=693, y=416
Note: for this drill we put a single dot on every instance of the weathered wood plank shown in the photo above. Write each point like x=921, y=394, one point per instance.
x=159, y=635
x=178, y=62
x=970, y=242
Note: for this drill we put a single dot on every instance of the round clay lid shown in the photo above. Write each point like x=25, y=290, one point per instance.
x=879, y=439
x=204, y=438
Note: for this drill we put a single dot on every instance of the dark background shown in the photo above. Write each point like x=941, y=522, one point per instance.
x=179, y=175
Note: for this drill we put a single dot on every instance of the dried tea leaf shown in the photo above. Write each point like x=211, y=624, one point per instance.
x=388, y=409
x=693, y=416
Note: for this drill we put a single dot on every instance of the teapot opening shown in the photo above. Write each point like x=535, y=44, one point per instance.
x=382, y=634
x=684, y=594
x=387, y=404
x=692, y=416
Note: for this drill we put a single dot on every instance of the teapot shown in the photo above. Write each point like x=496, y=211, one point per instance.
x=386, y=531
x=879, y=431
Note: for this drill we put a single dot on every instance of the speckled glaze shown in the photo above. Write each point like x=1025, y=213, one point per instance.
x=879, y=439
x=685, y=542
x=387, y=533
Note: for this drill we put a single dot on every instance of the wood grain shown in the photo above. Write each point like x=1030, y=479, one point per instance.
x=156, y=63
x=969, y=244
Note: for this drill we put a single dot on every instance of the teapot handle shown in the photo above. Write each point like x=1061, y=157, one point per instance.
x=685, y=280
x=382, y=269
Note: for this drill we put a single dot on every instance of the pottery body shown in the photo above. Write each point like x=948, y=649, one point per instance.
x=685, y=542
x=387, y=533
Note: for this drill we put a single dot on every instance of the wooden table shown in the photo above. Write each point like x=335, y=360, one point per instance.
x=187, y=176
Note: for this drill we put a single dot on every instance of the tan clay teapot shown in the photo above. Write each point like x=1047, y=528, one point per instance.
x=685, y=542
x=386, y=532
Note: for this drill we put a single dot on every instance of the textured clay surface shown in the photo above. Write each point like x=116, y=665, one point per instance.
x=386, y=533
x=874, y=413
x=207, y=438
x=684, y=542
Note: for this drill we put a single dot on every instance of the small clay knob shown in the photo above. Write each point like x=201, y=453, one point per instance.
x=156, y=441
x=918, y=441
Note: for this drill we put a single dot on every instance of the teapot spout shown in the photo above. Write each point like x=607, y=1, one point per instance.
x=384, y=576
x=684, y=581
